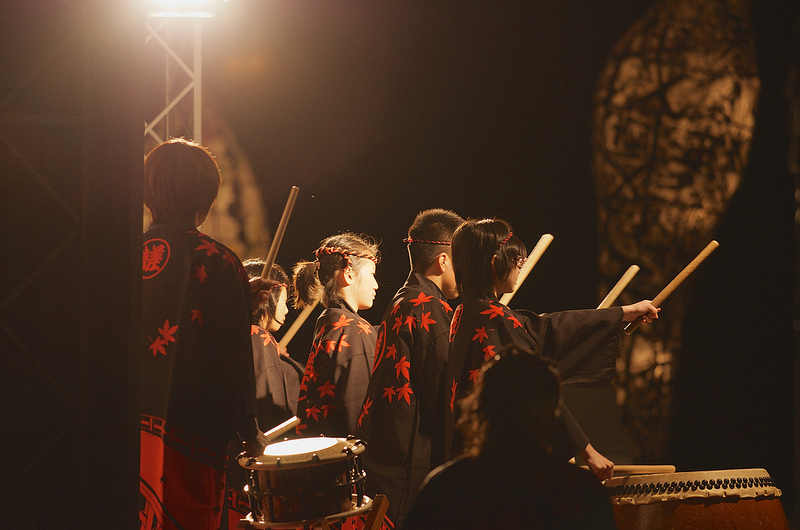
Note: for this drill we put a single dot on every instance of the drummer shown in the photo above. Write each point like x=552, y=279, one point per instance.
x=507, y=471
x=340, y=362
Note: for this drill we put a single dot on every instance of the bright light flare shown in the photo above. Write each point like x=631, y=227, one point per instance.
x=183, y=8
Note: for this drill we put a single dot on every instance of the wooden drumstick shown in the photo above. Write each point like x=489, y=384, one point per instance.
x=533, y=257
x=711, y=247
x=304, y=314
x=276, y=240
x=640, y=469
x=619, y=287
x=286, y=426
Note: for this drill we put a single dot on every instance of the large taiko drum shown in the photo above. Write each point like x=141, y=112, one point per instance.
x=736, y=498
x=306, y=480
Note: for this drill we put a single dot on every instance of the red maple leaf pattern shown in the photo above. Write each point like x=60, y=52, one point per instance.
x=330, y=346
x=313, y=412
x=197, y=316
x=514, y=320
x=312, y=374
x=402, y=367
x=209, y=246
x=395, y=308
x=411, y=321
x=299, y=429
x=342, y=322
x=473, y=374
x=426, y=321
x=388, y=392
x=398, y=323
x=327, y=409
x=327, y=389
x=200, y=273
x=365, y=327
x=480, y=334
x=404, y=392
x=157, y=346
x=228, y=259
x=488, y=352
x=445, y=306
x=343, y=343
x=493, y=311
x=391, y=351
x=365, y=410
x=421, y=299
x=167, y=332
x=254, y=330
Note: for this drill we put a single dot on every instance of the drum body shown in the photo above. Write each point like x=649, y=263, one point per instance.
x=736, y=498
x=306, y=479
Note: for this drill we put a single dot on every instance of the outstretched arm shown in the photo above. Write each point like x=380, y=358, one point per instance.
x=643, y=309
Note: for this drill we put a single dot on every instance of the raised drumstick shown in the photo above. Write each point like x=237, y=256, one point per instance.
x=619, y=287
x=290, y=333
x=276, y=240
x=533, y=257
x=711, y=247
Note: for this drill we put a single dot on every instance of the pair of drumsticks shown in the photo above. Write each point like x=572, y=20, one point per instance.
x=612, y=295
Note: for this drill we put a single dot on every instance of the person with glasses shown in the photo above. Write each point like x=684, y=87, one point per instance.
x=487, y=258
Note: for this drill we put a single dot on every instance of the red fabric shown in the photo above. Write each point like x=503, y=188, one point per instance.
x=192, y=490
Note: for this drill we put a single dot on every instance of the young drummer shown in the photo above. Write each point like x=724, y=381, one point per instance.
x=399, y=418
x=340, y=362
x=584, y=343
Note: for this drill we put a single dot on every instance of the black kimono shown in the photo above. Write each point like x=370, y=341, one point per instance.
x=198, y=386
x=400, y=419
x=583, y=343
x=337, y=373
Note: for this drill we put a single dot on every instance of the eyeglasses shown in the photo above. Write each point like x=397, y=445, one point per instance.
x=521, y=261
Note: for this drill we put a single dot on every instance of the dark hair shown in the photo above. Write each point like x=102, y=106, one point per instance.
x=181, y=180
x=429, y=235
x=513, y=404
x=475, y=243
x=254, y=267
x=317, y=279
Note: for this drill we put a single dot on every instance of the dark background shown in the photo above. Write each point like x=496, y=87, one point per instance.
x=375, y=110
x=379, y=111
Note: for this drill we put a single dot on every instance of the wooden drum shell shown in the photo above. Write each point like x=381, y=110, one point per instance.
x=744, y=498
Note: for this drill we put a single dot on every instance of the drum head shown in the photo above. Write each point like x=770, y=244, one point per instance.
x=303, y=452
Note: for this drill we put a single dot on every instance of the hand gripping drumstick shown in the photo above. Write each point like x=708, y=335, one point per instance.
x=711, y=247
x=276, y=240
x=617, y=289
x=290, y=333
x=533, y=257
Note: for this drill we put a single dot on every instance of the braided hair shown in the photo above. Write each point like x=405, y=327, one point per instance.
x=317, y=279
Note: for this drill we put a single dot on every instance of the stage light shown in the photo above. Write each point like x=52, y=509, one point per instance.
x=183, y=8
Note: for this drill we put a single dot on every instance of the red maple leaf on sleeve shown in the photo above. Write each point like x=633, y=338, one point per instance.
x=254, y=330
x=398, y=323
x=197, y=316
x=517, y=323
x=395, y=307
x=365, y=327
x=299, y=429
x=445, y=306
x=342, y=343
x=388, y=392
x=200, y=273
x=421, y=299
x=342, y=322
x=426, y=321
x=473, y=374
x=411, y=321
x=157, y=346
x=404, y=392
x=493, y=311
x=402, y=367
x=480, y=334
x=488, y=352
x=209, y=246
x=391, y=351
x=327, y=389
x=167, y=332
x=313, y=412
x=327, y=409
